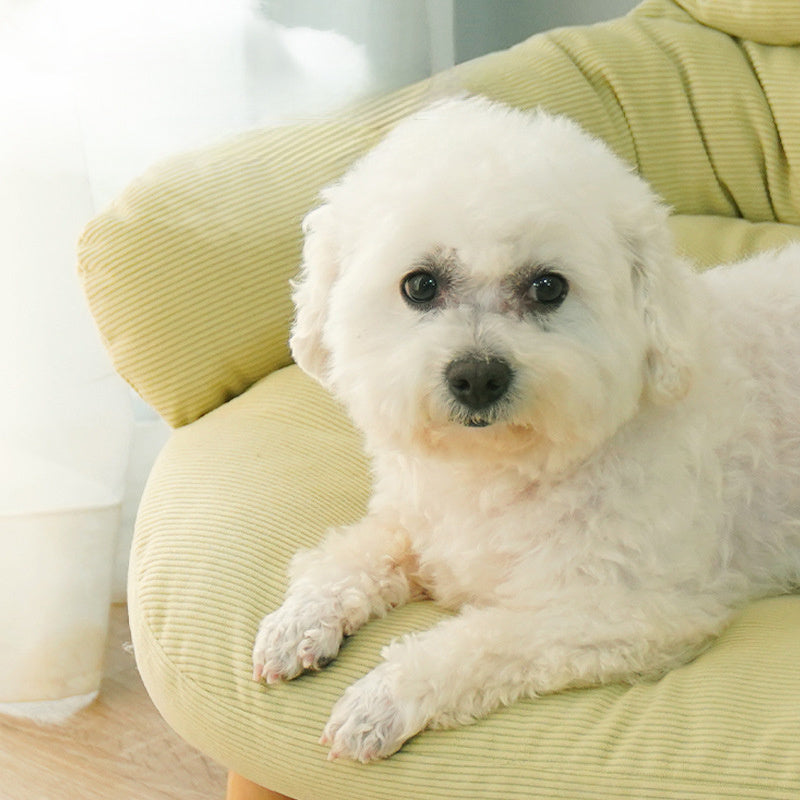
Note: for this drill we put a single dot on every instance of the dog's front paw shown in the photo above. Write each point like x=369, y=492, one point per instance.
x=371, y=721
x=300, y=635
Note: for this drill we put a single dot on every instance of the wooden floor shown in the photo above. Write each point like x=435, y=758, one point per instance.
x=117, y=749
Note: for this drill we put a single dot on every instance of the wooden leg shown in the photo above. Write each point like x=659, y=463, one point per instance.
x=240, y=788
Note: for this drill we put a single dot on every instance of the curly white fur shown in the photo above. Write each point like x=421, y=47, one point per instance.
x=637, y=482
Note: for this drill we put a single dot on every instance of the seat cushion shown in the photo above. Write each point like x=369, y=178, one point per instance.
x=708, y=240
x=236, y=493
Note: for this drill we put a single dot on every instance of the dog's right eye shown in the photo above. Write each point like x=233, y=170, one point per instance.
x=420, y=288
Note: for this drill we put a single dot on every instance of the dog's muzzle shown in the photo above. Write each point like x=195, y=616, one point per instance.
x=477, y=383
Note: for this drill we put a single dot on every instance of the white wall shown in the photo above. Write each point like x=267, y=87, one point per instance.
x=482, y=26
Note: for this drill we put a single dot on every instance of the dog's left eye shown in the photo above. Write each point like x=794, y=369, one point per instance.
x=420, y=288
x=549, y=289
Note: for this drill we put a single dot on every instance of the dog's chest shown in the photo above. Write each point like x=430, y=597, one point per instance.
x=469, y=536
x=456, y=575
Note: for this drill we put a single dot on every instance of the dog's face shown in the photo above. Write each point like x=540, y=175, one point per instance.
x=488, y=282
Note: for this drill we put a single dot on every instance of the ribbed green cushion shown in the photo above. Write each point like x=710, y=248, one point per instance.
x=708, y=241
x=773, y=22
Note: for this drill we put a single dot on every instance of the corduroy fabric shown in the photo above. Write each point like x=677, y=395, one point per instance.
x=203, y=246
x=231, y=499
x=773, y=22
x=710, y=241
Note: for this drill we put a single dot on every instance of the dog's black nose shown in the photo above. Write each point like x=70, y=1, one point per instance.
x=477, y=381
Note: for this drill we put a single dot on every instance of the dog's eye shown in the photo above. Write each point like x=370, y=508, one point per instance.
x=549, y=289
x=420, y=287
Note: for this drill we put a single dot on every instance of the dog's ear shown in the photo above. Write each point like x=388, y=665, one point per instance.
x=665, y=293
x=311, y=292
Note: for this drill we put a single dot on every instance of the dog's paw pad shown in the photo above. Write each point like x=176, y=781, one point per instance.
x=370, y=721
x=293, y=639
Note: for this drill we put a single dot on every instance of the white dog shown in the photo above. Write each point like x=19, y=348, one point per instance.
x=587, y=448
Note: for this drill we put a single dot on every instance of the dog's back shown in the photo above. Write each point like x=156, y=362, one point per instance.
x=756, y=309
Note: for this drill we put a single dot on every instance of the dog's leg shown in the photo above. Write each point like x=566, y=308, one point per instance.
x=357, y=573
x=471, y=664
